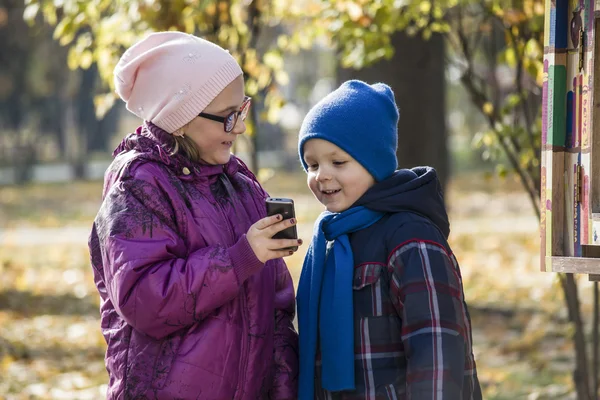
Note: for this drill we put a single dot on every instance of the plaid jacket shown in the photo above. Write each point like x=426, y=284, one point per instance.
x=412, y=330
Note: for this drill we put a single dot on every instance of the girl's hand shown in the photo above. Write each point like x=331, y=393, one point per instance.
x=260, y=238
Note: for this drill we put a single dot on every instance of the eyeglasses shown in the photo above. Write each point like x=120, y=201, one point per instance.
x=231, y=119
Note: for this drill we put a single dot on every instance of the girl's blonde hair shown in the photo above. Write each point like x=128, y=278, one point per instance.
x=185, y=145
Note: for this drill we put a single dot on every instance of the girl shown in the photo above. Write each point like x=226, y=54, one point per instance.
x=196, y=300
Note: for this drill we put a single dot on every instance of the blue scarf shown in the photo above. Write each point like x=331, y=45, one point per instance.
x=325, y=292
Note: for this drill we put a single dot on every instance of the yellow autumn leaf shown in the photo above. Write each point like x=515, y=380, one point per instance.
x=7, y=360
x=354, y=11
x=488, y=108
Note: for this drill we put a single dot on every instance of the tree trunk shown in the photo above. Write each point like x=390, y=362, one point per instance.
x=107, y=127
x=95, y=133
x=595, y=343
x=416, y=73
x=14, y=43
x=581, y=374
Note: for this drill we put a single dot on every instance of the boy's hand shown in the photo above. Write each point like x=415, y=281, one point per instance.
x=260, y=238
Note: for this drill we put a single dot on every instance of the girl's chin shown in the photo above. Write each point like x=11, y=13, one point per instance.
x=217, y=159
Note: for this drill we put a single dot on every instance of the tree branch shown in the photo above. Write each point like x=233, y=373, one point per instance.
x=520, y=56
x=479, y=99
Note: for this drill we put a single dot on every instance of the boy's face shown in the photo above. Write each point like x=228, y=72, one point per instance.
x=336, y=179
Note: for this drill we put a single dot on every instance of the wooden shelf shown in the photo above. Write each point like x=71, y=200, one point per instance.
x=575, y=265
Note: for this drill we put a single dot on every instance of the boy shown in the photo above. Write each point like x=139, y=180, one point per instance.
x=381, y=308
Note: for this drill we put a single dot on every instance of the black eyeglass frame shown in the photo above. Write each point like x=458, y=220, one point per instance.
x=232, y=116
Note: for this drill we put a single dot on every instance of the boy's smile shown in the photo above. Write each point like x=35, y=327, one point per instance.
x=336, y=179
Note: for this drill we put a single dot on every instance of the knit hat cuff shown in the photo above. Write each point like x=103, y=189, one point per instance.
x=195, y=104
x=377, y=175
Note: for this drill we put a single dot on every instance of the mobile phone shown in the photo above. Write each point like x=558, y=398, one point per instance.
x=285, y=207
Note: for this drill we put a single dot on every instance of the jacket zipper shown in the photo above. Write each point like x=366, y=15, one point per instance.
x=224, y=214
x=239, y=393
x=227, y=222
x=245, y=348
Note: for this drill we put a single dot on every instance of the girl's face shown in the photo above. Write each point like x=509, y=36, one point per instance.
x=213, y=143
x=336, y=179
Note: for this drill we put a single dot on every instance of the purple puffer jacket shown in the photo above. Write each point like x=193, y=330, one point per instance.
x=188, y=311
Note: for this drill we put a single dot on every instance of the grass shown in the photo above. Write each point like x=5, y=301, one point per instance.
x=50, y=341
x=50, y=205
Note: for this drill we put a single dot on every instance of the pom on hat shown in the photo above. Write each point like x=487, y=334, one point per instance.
x=362, y=120
x=168, y=78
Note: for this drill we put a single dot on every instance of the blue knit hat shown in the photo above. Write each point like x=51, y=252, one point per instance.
x=360, y=119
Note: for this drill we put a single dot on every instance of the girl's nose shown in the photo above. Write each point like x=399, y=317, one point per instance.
x=240, y=127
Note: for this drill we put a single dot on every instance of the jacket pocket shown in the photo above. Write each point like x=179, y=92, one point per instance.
x=377, y=326
x=366, y=275
x=370, y=294
x=169, y=349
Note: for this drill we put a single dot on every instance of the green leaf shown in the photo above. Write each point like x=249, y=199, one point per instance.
x=274, y=60
x=73, y=59
x=86, y=59
x=103, y=103
x=427, y=34
x=49, y=12
x=282, y=77
x=509, y=57
x=501, y=170
x=424, y=7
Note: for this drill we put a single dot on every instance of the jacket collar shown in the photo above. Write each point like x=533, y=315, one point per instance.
x=155, y=144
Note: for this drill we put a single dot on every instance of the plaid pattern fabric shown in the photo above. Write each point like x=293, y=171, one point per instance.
x=412, y=331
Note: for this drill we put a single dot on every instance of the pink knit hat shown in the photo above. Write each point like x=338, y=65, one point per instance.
x=168, y=78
